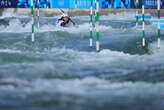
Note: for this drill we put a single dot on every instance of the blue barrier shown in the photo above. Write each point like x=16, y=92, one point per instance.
x=64, y=3
x=8, y=3
x=80, y=3
x=148, y=4
x=155, y=22
x=115, y=3
x=146, y=17
x=59, y=3
x=152, y=3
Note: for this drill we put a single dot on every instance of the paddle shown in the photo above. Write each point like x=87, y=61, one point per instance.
x=61, y=10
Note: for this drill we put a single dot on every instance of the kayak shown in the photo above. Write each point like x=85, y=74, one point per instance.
x=58, y=24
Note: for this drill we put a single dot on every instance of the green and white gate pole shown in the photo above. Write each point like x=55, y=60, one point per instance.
x=75, y=3
x=38, y=11
x=97, y=26
x=143, y=23
x=158, y=8
x=47, y=4
x=32, y=15
x=95, y=9
x=137, y=6
x=91, y=24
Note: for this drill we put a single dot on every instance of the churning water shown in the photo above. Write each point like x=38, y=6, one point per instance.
x=60, y=72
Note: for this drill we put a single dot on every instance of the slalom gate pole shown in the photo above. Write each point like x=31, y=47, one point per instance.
x=158, y=11
x=47, y=4
x=75, y=3
x=91, y=24
x=38, y=12
x=137, y=6
x=95, y=9
x=143, y=23
x=32, y=15
x=97, y=26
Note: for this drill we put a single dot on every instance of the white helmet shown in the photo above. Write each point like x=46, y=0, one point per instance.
x=64, y=15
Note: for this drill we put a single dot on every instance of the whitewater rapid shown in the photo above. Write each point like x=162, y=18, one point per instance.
x=60, y=71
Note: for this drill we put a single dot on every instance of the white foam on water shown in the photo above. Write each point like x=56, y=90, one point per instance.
x=119, y=16
x=77, y=60
x=7, y=14
x=9, y=51
x=11, y=14
x=154, y=47
x=83, y=18
x=114, y=16
x=85, y=28
x=105, y=59
x=89, y=86
x=15, y=26
x=2, y=27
